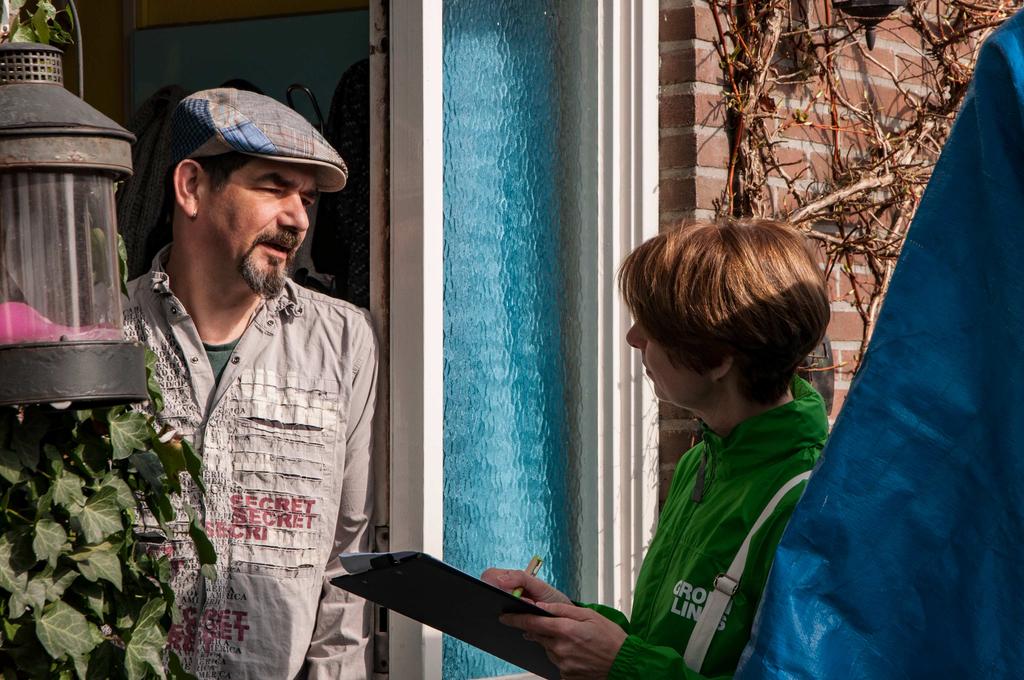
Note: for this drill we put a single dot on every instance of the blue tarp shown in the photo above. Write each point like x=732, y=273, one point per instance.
x=905, y=558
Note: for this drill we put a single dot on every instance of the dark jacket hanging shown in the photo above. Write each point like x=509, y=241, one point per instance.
x=341, y=241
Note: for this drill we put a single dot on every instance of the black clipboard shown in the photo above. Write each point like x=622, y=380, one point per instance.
x=438, y=595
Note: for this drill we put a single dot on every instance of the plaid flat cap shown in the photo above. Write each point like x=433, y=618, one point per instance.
x=221, y=120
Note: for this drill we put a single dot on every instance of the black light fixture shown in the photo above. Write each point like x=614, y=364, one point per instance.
x=61, y=334
x=868, y=13
x=819, y=369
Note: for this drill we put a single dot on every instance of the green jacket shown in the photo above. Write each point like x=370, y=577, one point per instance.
x=696, y=541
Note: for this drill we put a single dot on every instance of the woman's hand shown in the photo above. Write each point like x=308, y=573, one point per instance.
x=534, y=589
x=581, y=642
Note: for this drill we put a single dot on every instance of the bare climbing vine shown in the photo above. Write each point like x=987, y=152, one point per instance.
x=872, y=121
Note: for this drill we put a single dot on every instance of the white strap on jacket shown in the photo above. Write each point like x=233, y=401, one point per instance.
x=727, y=584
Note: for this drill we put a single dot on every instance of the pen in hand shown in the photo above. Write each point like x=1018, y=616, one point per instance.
x=532, y=568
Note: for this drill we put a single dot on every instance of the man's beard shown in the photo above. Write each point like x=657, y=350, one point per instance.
x=268, y=281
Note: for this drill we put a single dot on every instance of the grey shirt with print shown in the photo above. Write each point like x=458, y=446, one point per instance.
x=285, y=443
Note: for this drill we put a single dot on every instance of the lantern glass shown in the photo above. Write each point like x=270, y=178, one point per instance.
x=59, y=276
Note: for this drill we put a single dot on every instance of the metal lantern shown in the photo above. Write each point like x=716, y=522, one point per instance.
x=61, y=334
x=868, y=13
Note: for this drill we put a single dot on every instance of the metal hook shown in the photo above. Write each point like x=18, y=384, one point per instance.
x=81, y=49
x=5, y=18
x=312, y=99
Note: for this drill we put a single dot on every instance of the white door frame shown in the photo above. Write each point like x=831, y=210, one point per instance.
x=627, y=457
x=415, y=318
x=623, y=487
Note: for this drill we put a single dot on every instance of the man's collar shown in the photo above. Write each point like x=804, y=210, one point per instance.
x=159, y=281
x=286, y=303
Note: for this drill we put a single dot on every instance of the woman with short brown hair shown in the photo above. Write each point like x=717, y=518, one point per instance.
x=724, y=313
x=741, y=289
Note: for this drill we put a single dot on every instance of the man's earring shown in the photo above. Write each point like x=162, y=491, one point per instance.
x=195, y=212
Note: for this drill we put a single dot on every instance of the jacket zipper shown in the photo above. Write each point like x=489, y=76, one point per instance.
x=704, y=477
x=698, y=484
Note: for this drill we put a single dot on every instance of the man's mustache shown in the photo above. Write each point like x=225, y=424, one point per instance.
x=288, y=240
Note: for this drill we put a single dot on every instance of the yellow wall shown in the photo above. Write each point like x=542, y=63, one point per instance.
x=103, y=31
x=105, y=72
x=150, y=13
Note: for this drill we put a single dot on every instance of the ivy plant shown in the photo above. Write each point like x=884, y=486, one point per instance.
x=41, y=26
x=79, y=593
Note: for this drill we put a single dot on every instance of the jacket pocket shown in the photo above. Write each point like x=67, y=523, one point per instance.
x=284, y=433
x=282, y=446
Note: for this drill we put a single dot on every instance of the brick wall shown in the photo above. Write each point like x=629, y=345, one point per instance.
x=694, y=154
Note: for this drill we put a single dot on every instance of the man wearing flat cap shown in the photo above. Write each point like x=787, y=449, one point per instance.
x=274, y=385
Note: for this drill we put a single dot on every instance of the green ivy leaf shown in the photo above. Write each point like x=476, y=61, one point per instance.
x=172, y=457
x=194, y=465
x=101, y=516
x=46, y=8
x=204, y=547
x=10, y=466
x=10, y=629
x=176, y=670
x=152, y=386
x=14, y=564
x=162, y=566
x=162, y=509
x=122, y=260
x=125, y=497
x=152, y=470
x=44, y=503
x=144, y=652
x=26, y=438
x=67, y=491
x=24, y=33
x=81, y=662
x=92, y=454
x=102, y=564
x=128, y=432
x=63, y=630
x=125, y=617
x=172, y=605
x=95, y=597
x=39, y=22
x=58, y=34
x=53, y=455
x=84, y=554
x=56, y=585
x=34, y=596
x=49, y=541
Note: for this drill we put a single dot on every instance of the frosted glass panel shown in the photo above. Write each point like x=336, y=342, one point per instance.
x=516, y=310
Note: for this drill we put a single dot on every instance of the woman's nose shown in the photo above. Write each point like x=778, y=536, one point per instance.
x=635, y=337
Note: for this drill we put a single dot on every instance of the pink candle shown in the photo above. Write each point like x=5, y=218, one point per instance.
x=21, y=323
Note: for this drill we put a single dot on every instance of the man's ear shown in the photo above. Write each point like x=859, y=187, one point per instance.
x=721, y=370
x=189, y=184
